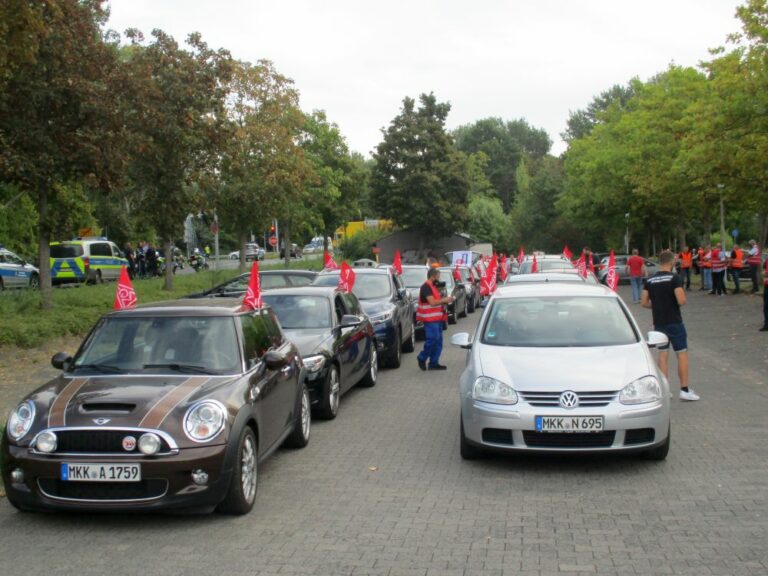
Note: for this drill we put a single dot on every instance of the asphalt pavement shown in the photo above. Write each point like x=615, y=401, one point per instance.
x=382, y=489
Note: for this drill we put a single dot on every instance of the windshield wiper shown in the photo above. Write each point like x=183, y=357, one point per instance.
x=103, y=368
x=183, y=368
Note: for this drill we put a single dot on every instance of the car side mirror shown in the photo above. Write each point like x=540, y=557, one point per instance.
x=349, y=321
x=656, y=339
x=402, y=293
x=462, y=340
x=61, y=360
x=274, y=360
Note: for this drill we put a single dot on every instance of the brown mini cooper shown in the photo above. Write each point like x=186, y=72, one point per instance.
x=166, y=406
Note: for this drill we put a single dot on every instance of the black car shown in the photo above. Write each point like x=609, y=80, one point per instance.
x=386, y=301
x=269, y=279
x=335, y=338
x=460, y=305
x=166, y=406
x=471, y=286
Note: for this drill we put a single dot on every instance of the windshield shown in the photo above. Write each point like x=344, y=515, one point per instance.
x=300, y=311
x=203, y=344
x=548, y=265
x=557, y=322
x=414, y=277
x=367, y=286
x=66, y=250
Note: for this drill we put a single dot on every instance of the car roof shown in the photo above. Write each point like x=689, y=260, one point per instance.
x=306, y=273
x=328, y=291
x=558, y=276
x=538, y=289
x=364, y=270
x=185, y=307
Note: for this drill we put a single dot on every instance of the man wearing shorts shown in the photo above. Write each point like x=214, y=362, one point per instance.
x=663, y=293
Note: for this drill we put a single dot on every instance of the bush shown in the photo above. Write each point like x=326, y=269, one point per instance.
x=359, y=246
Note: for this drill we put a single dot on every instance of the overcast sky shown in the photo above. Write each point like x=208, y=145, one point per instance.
x=532, y=59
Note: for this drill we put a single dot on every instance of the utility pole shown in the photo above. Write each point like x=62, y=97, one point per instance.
x=723, y=237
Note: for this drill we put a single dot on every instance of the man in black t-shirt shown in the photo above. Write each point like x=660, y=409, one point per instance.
x=663, y=293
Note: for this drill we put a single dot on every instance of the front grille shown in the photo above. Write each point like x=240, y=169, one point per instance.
x=586, y=399
x=639, y=436
x=103, y=491
x=497, y=436
x=568, y=439
x=98, y=441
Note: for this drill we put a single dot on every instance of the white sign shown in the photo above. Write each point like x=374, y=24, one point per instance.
x=461, y=258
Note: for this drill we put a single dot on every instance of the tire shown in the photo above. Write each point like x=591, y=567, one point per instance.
x=452, y=317
x=660, y=452
x=395, y=357
x=471, y=305
x=369, y=380
x=34, y=282
x=303, y=426
x=245, y=476
x=468, y=451
x=466, y=309
x=410, y=344
x=329, y=404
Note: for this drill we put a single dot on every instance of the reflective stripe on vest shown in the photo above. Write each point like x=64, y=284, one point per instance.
x=718, y=265
x=427, y=313
x=738, y=262
x=686, y=259
x=705, y=261
x=755, y=260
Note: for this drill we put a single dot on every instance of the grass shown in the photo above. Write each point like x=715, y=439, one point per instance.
x=76, y=309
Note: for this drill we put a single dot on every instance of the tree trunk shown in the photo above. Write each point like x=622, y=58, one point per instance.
x=681, y=235
x=44, y=248
x=242, y=239
x=167, y=250
x=287, y=243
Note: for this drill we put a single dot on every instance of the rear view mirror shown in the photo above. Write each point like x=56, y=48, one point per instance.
x=274, y=360
x=61, y=360
x=656, y=339
x=349, y=320
x=462, y=340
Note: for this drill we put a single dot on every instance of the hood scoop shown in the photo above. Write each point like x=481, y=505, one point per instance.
x=107, y=408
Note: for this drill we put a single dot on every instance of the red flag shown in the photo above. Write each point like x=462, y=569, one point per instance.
x=471, y=275
x=457, y=274
x=567, y=253
x=488, y=283
x=521, y=256
x=612, y=279
x=346, y=278
x=252, y=298
x=535, y=265
x=503, y=269
x=397, y=263
x=581, y=266
x=328, y=262
x=591, y=264
x=125, y=295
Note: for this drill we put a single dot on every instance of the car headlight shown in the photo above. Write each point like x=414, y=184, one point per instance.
x=314, y=363
x=383, y=317
x=642, y=390
x=21, y=420
x=204, y=420
x=492, y=390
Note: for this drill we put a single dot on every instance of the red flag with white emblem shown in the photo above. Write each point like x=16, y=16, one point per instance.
x=503, y=269
x=125, y=295
x=346, y=278
x=328, y=262
x=535, y=265
x=457, y=274
x=567, y=253
x=612, y=278
x=488, y=283
x=521, y=256
x=252, y=298
x=397, y=263
x=581, y=266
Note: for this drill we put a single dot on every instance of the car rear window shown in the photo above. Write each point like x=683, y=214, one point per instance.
x=66, y=250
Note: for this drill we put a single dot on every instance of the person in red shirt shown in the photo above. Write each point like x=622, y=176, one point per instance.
x=636, y=270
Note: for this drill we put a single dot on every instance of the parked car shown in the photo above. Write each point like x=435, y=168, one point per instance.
x=167, y=406
x=472, y=287
x=413, y=278
x=621, y=268
x=335, y=338
x=387, y=302
x=237, y=287
x=530, y=385
x=90, y=260
x=252, y=252
x=460, y=305
x=15, y=272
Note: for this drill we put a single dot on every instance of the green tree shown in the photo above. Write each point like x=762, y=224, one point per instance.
x=581, y=122
x=420, y=179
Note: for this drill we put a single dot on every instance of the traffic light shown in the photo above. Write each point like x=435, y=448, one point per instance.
x=272, y=228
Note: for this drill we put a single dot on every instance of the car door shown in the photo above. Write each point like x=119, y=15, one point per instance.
x=352, y=341
x=404, y=306
x=10, y=269
x=119, y=261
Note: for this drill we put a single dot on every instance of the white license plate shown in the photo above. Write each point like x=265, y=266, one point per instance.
x=569, y=423
x=101, y=472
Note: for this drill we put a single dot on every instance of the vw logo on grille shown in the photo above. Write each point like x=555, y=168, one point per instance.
x=101, y=421
x=129, y=443
x=569, y=399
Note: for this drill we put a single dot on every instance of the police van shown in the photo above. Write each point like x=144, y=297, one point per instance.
x=88, y=260
x=15, y=272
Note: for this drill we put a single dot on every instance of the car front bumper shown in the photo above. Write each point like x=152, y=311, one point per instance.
x=513, y=428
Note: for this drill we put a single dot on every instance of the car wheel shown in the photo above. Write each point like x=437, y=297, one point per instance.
x=245, y=477
x=465, y=310
x=395, y=357
x=660, y=452
x=410, y=344
x=452, y=317
x=329, y=405
x=34, y=282
x=471, y=305
x=302, y=428
x=468, y=451
x=369, y=380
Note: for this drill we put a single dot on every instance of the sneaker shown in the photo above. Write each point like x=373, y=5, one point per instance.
x=422, y=363
x=763, y=329
x=437, y=367
x=689, y=396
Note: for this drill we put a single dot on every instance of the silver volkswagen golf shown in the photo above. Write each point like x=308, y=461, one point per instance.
x=561, y=367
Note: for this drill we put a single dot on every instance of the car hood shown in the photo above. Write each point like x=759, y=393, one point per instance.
x=310, y=341
x=123, y=401
x=581, y=369
x=374, y=307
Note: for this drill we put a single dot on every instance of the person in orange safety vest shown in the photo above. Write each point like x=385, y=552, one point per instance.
x=736, y=265
x=686, y=263
x=432, y=313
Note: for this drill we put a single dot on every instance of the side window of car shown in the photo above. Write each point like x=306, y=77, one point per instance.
x=101, y=249
x=273, y=328
x=272, y=281
x=300, y=281
x=255, y=338
x=341, y=309
x=353, y=304
x=116, y=252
